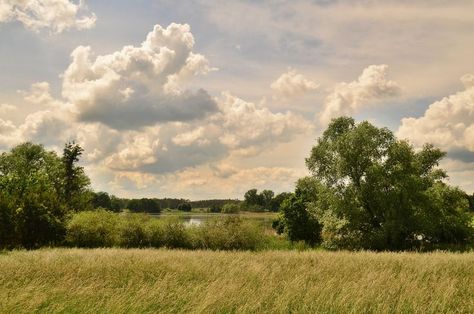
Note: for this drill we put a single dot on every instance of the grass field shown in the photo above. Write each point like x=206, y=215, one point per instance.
x=163, y=281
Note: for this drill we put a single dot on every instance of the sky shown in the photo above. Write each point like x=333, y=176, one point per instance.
x=207, y=99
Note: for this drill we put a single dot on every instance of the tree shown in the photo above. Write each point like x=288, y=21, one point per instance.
x=254, y=201
x=276, y=202
x=266, y=197
x=144, y=205
x=377, y=192
x=76, y=182
x=32, y=206
x=101, y=200
x=470, y=199
x=295, y=219
x=186, y=207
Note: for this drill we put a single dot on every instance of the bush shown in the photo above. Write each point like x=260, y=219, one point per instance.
x=93, y=229
x=230, y=208
x=230, y=233
x=155, y=233
x=133, y=231
x=106, y=229
x=175, y=234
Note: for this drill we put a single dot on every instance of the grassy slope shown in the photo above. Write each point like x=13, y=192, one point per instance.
x=123, y=281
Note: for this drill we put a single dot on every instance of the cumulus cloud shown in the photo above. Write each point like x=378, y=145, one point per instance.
x=245, y=124
x=6, y=108
x=239, y=127
x=371, y=86
x=292, y=84
x=55, y=15
x=139, y=85
x=447, y=123
x=141, y=126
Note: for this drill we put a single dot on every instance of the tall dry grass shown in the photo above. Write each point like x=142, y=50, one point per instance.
x=163, y=281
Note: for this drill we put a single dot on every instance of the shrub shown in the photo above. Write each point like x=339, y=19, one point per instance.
x=106, y=229
x=230, y=208
x=155, y=233
x=133, y=230
x=175, y=234
x=230, y=233
x=93, y=229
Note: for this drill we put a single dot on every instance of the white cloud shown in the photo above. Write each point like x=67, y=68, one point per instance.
x=139, y=85
x=6, y=108
x=447, y=123
x=187, y=138
x=55, y=15
x=244, y=124
x=347, y=98
x=292, y=84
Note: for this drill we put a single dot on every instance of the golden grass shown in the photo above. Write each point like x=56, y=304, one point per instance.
x=163, y=281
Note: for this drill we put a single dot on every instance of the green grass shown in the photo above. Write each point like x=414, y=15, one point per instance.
x=164, y=281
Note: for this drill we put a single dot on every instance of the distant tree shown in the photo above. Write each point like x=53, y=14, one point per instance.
x=144, y=205
x=186, y=207
x=276, y=202
x=101, y=200
x=117, y=204
x=254, y=201
x=215, y=209
x=266, y=197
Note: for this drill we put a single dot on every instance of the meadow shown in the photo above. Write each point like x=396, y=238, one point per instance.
x=184, y=281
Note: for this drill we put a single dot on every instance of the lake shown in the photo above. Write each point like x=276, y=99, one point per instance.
x=196, y=219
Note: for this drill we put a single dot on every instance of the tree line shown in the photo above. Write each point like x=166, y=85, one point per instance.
x=155, y=205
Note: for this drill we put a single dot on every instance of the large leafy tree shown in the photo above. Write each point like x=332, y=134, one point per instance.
x=32, y=196
x=377, y=192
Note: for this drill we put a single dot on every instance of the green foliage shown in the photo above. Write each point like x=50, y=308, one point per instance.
x=276, y=202
x=377, y=192
x=230, y=208
x=143, y=205
x=93, y=229
x=101, y=200
x=265, y=200
x=230, y=233
x=36, y=195
x=75, y=181
x=215, y=208
x=252, y=199
x=297, y=221
x=103, y=228
x=133, y=231
x=186, y=207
